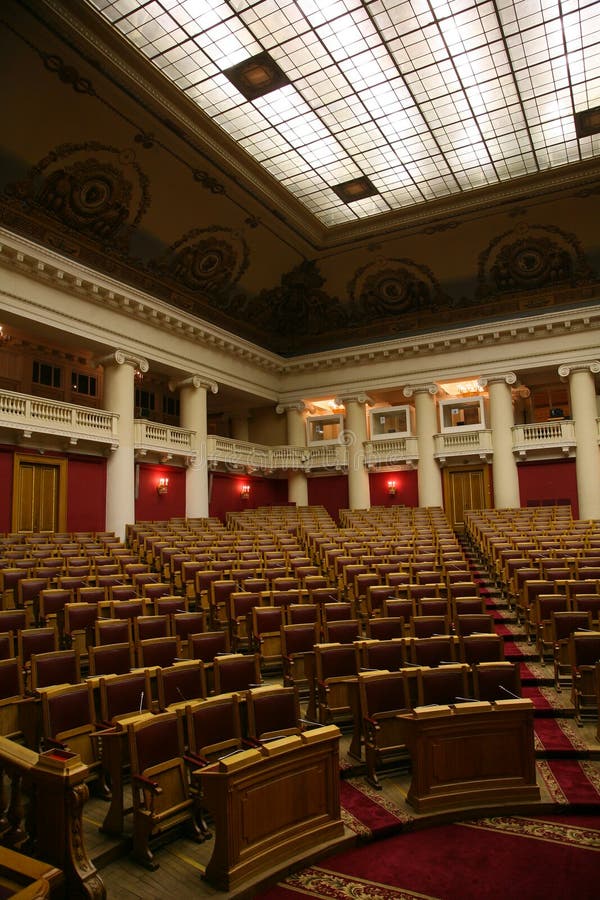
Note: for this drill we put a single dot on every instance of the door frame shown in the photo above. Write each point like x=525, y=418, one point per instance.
x=62, y=464
x=483, y=467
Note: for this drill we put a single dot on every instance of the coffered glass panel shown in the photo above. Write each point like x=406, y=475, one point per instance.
x=425, y=98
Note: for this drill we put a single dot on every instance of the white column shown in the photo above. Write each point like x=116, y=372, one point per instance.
x=192, y=415
x=296, y=437
x=584, y=410
x=504, y=469
x=359, y=492
x=430, y=476
x=119, y=386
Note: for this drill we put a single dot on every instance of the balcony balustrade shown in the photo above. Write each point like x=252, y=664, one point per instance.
x=458, y=445
x=544, y=439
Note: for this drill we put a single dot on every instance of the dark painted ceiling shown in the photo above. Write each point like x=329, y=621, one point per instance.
x=104, y=160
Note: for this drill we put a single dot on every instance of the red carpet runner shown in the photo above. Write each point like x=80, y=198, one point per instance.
x=551, y=858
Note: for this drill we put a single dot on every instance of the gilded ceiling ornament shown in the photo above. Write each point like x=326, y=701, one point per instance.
x=91, y=189
x=209, y=260
x=531, y=257
x=392, y=287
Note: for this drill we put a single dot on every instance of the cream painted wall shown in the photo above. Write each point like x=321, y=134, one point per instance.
x=267, y=427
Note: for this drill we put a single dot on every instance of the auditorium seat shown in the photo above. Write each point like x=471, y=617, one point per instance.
x=12, y=693
x=387, y=654
x=297, y=642
x=584, y=655
x=160, y=785
x=180, y=683
x=443, y=685
x=475, y=648
x=496, y=680
x=273, y=712
x=335, y=671
x=56, y=667
x=111, y=659
x=432, y=651
x=68, y=720
x=214, y=727
x=383, y=697
x=385, y=628
x=158, y=651
x=124, y=695
x=236, y=672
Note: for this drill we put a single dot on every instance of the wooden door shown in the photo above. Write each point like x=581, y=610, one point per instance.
x=465, y=488
x=39, y=494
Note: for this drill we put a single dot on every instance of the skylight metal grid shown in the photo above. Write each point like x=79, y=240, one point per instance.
x=424, y=98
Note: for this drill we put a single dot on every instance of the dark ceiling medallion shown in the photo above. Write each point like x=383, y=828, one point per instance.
x=257, y=76
x=587, y=122
x=356, y=189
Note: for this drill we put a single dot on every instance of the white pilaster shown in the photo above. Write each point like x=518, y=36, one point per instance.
x=119, y=385
x=359, y=492
x=505, y=476
x=584, y=410
x=430, y=477
x=192, y=407
x=296, y=437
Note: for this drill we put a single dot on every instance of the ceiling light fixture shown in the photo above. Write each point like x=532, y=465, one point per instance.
x=356, y=189
x=256, y=76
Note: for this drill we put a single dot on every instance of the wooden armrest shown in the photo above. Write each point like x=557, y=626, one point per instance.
x=147, y=783
x=195, y=761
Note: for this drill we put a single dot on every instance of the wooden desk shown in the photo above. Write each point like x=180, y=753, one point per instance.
x=476, y=755
x=272, y=804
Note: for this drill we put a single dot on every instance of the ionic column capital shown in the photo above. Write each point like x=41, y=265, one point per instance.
x=293, y=405
x=195, y=381
x=124, y=358
x=508, y=378
x=591, y=365
x=361, y=398
x=424, y=388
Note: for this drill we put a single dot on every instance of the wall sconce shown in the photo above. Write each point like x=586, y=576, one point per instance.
x=245, y=492
x=4, y=337
x=391, y=487
x=163, y=486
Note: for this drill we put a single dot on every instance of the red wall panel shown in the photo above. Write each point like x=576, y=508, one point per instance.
x=549, y=482
x=86, y=494
x=6, y=483
x=225, y=493
x=407, y=488
x=330, y=492
x=149, y=504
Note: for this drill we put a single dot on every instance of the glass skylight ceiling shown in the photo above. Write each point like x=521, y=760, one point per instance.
x=425, y=99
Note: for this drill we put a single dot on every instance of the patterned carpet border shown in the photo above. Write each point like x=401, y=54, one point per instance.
x=556, y=830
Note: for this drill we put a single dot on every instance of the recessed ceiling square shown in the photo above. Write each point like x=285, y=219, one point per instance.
x=355, y=189
x=587, y=122
x=257, y=76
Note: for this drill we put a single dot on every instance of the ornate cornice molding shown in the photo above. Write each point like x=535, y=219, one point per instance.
x=20, y=255
x=23, y=256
